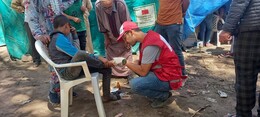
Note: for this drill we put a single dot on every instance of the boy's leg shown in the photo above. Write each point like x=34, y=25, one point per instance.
x=72, y=73
x=151, y=87
x=106, y=79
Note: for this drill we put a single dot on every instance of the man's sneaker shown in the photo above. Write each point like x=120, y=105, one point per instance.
x=160, y=104
x=151, y=99
x=54, y=98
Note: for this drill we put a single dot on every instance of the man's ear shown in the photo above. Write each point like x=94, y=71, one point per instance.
x=131, y=32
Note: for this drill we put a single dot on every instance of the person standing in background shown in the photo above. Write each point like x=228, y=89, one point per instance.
x=168, y=24
x=89, y=6
x=40, y=16
x=18, y=6
x=75, y=14
x=206, y=30
x=110, y=16
x=243, y=19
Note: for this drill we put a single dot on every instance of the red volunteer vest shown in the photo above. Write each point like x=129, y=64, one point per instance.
x=170, y=70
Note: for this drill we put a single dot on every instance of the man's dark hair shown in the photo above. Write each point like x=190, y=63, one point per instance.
x=60, y=21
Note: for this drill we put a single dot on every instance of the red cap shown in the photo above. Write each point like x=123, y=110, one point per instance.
x=126, y=26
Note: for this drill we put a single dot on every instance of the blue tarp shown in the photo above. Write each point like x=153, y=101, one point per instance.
x=197, y=11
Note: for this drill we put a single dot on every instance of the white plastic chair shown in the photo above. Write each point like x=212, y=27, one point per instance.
x=66, y=86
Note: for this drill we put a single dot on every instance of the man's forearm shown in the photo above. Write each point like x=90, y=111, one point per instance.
x=142, y=69
x=68, y=16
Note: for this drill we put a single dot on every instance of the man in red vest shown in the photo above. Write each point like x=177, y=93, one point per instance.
x=159, y=68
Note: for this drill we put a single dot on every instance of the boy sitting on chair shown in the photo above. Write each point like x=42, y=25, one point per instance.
x=63, y=49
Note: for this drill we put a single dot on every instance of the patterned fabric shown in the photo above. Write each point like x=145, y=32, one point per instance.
x=247, y=66
x=54, y=83
x=40, y=14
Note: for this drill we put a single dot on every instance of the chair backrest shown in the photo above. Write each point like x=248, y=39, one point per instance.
x=43, y=51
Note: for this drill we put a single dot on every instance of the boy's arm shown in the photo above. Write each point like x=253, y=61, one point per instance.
x=17, y=6
x=64, y=45
x=75, y=19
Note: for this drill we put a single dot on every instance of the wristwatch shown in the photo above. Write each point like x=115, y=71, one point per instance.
x=124, y=61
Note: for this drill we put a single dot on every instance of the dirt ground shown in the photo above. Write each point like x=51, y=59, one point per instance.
x=24, y=89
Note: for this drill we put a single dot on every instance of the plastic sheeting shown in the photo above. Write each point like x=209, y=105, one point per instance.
x=2, y=39
x=15, y=36
x=143, y=12
x=197, y=11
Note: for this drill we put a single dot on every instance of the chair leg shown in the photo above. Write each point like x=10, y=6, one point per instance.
x=218, y=42
x=64, y=102
x=71, y=96
x=99, y=103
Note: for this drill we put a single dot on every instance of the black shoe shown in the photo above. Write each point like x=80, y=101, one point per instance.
x=74, y=94
x=36, y=64
x=54, y=98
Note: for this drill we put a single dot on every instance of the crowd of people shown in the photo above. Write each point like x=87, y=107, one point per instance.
x=161, y=67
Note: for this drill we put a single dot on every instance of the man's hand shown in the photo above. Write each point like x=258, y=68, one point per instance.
x=44, y=39
x=224, y=36
x=77, y=20
x=127, y=46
